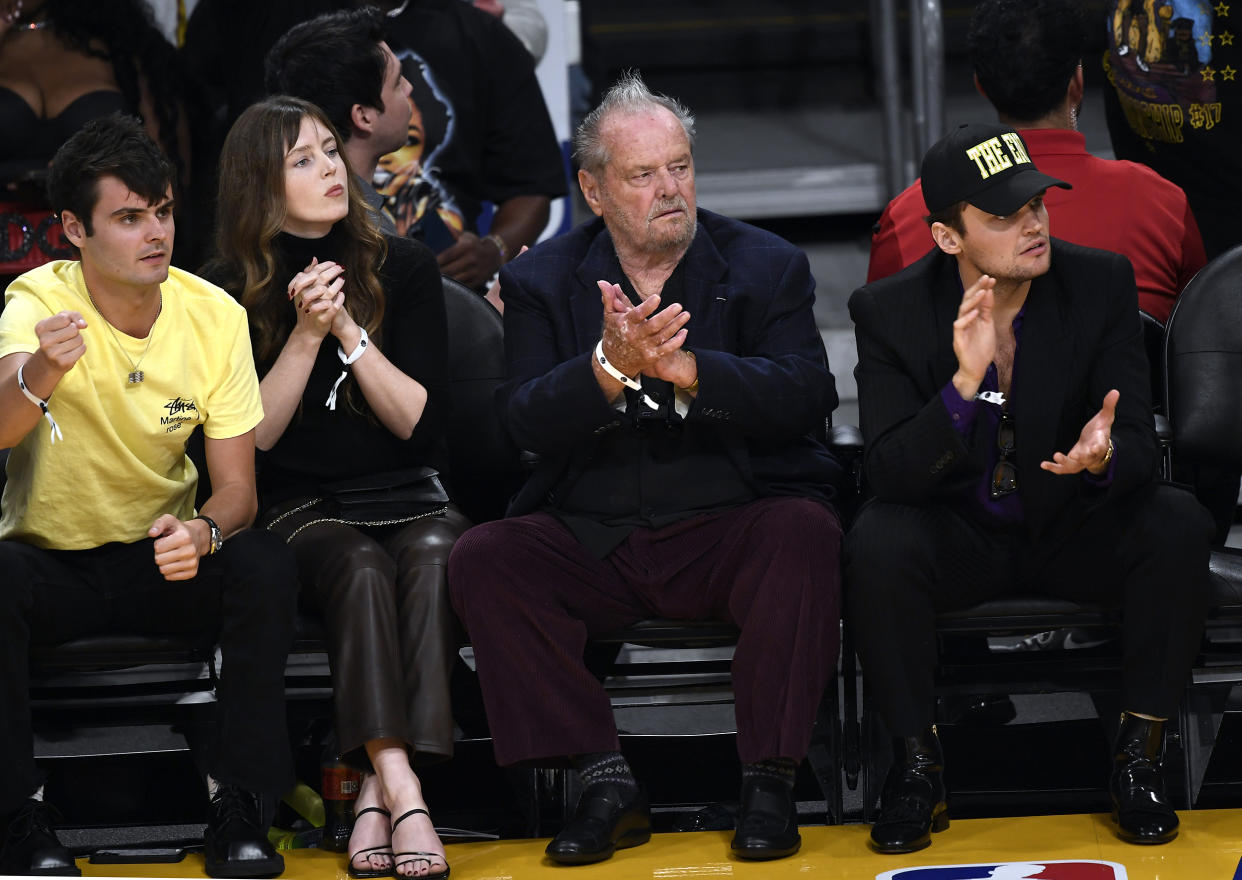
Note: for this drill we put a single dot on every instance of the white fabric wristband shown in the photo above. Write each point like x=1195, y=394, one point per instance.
x=632, y=384
x=40, y=403
x=347, y=359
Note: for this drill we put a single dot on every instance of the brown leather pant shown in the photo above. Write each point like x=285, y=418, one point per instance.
x=383, y=595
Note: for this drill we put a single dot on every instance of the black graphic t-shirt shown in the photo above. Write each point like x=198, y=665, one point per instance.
x=480, y=130
x=1175, y=67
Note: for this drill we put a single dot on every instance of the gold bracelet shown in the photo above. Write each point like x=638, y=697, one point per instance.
x=693, y=387
x=495, y=239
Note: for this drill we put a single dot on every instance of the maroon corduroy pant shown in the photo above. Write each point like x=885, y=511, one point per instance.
x=531, y=595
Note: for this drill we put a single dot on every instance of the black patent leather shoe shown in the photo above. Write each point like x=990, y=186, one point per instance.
x=30, y=846
x=767, y=821
x=235, y=842
x=608, y=818
x=912, y=805
x=1136, y=785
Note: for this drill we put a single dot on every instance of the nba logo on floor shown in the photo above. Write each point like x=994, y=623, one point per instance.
x=1055, y=870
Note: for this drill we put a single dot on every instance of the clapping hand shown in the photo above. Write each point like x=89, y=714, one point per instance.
x=974, y=336
x=1092, y=451
x=636, y=337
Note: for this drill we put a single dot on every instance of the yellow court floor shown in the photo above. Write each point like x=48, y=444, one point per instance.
x=1208, y=848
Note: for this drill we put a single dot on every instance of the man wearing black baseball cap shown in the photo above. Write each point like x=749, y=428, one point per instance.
x=1005, y=404
x=985, y=165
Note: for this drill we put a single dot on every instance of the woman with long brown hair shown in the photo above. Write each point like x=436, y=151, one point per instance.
x=349, y=336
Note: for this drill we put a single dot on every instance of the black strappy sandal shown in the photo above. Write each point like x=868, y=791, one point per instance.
x=417, y=856
x=367, y=873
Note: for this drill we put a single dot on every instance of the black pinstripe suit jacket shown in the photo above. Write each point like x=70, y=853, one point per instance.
x=1081, y=336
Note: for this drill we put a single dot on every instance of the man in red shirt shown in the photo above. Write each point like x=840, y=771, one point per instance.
x=1027, y=61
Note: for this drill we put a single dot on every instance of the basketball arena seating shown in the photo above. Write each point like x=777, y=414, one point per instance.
x=1203, y=400
x=1202, y=367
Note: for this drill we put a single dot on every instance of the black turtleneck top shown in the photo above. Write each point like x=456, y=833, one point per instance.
x=321, y=445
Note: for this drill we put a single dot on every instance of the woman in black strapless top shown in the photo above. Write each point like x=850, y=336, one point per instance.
x=66, y=62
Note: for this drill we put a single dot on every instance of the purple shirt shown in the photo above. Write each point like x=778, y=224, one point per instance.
x=1006, y=510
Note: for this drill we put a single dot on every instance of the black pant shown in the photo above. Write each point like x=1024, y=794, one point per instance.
x=244, y=597
x=1148, y=553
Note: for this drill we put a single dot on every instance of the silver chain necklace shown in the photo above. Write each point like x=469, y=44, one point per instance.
x=136, y=375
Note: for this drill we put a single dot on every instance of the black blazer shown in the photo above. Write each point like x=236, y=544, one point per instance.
x=1081, y=336
x=765, y=385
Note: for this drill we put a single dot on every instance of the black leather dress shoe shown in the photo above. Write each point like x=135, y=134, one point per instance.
x=29, y=845
x=1136, y=785
x=912, y=804
x=235, y=842
x=767, y=821
x=608, y=818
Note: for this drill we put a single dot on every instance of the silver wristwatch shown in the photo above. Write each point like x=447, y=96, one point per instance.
x=217, y=536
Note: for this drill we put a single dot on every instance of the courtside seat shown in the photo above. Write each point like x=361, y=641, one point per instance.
x=1153, y=342
x=484, y=465
x=1226, y=567
x=1203, y=400
x=121, y=677
x=106, y=651
x=979, y=672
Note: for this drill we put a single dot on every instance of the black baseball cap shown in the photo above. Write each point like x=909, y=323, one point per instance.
x=984, y=164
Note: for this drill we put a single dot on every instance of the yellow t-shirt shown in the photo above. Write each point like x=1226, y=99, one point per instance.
x=122, y=461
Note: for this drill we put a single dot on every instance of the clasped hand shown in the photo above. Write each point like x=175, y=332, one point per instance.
x=318, y=296
x=637, y=339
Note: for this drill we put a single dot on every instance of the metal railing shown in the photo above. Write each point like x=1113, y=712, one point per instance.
x=926, y=83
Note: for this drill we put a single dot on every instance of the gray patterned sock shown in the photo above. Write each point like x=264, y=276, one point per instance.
x=784, y=769
x=611, y=767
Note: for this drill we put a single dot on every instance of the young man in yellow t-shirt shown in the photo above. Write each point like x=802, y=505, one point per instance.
x=107, y=364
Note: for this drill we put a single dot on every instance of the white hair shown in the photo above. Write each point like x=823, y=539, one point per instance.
x=628, y=95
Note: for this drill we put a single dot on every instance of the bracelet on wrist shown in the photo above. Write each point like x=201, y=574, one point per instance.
x=495, y=239
x=632, y=384
x=1108, y=456
x=40, y=403
x=347, y=359
x=693, y=387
